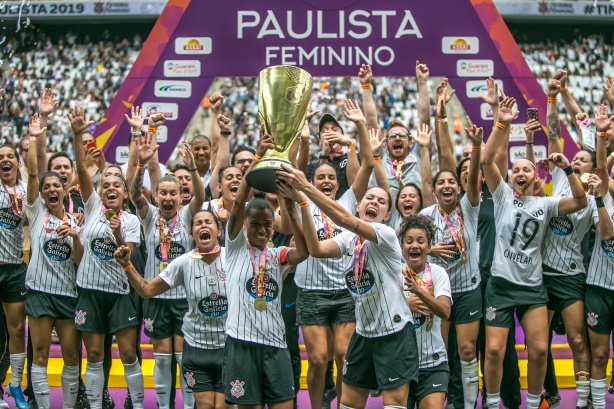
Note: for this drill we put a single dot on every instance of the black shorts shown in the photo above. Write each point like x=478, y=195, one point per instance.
x=467, y=306
x=163, y=318
x=565, y=290
x=430, y=380
x=100, y=312
x=502, y=297
x=325, y=308
x=58, y=307
x=599, y=307
x=382, y=362
x=13, y=282
x=255, y=374
x=202, y=368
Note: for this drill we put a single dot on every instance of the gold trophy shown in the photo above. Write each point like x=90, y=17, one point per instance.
x=282, y=103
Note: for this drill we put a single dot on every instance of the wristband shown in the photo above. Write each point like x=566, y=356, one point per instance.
x=135, y=133
x=366, y=86
x=225, y=133
x=476, y=148
x=563, y=89
x=377, y=159
x=257, y=158
x=152, y=130
x=32, y=138
x=529, y=144
x=192, y=170
x=140, y=165
x=599, y=202
x=304, y=204
x=500, y=125
x=551, y=99
x=568, y=171
x=442, y=121
x=352, y=147
x=128, y=267
x=603, y=134
x=327, y=157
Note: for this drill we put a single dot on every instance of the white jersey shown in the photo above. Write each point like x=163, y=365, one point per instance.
x=326, y=274
x=601, y=268
x=181, y=243
x=51, y=269
x=11, y=224
x=395, y=219
x=381, y=308
x=431, y=348
x=410, y=171
x=521, y=224
x=463, y=277
x=244, y=321
x=561, y=249
x=205, y=289
x=98, y=269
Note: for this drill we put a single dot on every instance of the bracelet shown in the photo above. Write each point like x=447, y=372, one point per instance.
x=529, y=143
x=140, y=165
x=32, y=138
x=599, y=202
x=377, y=159
x=352, y=147
x=152, y=129
x=442, y=121
x=366, y=86
x=192, y=170
x=225, y=132
x=133, y=133
x=128, y=267
x=500, y=125
x=257, y=158
x=568, y=171
x=327, y=157
x=476, y=148
x=551, y=99
x=304, y=204
x=563, y=89
x=604, y=134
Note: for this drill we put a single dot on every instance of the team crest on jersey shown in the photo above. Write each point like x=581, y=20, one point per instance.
x=80, y=317
x=221, y=274
x=148, y=324
x=274, y=260
x=189, y=379
x=490, y=313
x=237, y=388
x=592, y=319
x=345, y=367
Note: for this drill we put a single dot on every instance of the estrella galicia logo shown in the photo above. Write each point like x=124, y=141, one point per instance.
x=103, y=248
x=57, y=250
x=608, y=248
x=175, y=251
x=271, y=288
x=455, y=257
x=8, y=220
x=561, y=226
x=366, y=281
x=322, y=234
x=213, y=306
x=419, y=320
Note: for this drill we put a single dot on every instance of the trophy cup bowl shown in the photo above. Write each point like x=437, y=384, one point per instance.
x=283, y=99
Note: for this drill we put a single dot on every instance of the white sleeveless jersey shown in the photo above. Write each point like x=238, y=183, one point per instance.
x=463, y=277
x=521, y=224
x=181, y=243
x=205, y=289
x=381, y=308
x=325, y=273
x=431, y=347
x=601, y=268
x=51, y=269
x=11, y=224
x=561, y=249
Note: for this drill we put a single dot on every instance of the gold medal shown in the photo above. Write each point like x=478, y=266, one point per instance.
x=584, y=177
x=429, y=323
x=163, y=266
x=109, y=213
x=260, y=304
x=270, y=244
x=464, y=258
x=196, y=256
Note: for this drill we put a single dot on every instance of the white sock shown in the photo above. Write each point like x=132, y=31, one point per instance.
x=40, y=386
x=17, y=361
x=470, y=382
x=134, y=379
x=94, y=381
x=598, y=391
x=188, y=397
x=533, y=401
x=70, y=386
x=493, y=400
x=162, y=379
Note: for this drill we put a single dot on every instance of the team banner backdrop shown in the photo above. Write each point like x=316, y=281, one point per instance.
x=195, y=41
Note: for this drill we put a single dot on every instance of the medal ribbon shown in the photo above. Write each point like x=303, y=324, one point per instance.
x=523, y=189
x=329, y=226
x=398, y=172
x=360, y=253
x=54, y=230
x=427, y=283
x=220, y=204
x=258, y=273
x=214, y=250
x=458, y=241
x=166, y=237
x=16, y=199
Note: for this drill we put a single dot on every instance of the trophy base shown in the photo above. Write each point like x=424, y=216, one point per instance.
x=262, y=176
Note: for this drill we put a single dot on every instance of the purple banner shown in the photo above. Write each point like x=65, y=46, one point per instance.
x=185, y=51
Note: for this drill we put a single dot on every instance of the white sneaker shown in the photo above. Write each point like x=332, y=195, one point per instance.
x=3, y=404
